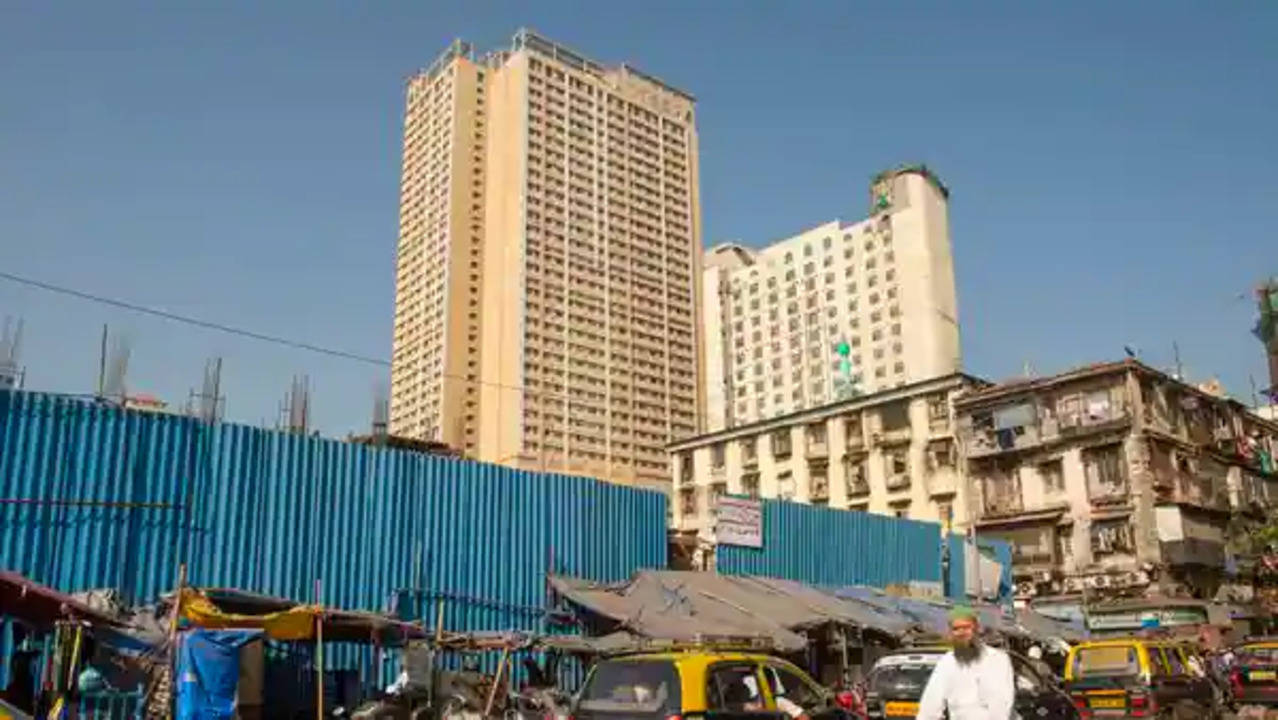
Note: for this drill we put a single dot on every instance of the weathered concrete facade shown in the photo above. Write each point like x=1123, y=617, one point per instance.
x=1115, y=479
x=892, y=452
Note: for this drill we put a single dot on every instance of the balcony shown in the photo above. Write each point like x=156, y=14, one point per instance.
x=818, y=449
x=1002, y=501
x=940, y=484
x=898, y=481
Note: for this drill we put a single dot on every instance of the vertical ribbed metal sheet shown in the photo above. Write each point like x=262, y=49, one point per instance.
x=273, y=512
x=999, y=550
x=956, y=583
x=837, y=547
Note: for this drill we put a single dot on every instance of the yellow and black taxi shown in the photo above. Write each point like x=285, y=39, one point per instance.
x=1254, y=676
x=1139, y=677
x=895, y=685
x=690, y=684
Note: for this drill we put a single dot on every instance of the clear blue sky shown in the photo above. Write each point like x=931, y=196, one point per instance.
x=1114, y=166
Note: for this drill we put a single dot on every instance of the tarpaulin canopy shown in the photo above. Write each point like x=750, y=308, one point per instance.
x=39, y=605
x=294, y=623
x=1041, y=626
x=932, y=616
x=282, y=619
x=697, y=606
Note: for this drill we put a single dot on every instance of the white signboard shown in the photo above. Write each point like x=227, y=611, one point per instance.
x=740, y=522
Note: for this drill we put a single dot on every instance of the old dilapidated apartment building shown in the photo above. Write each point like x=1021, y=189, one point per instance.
x=1115, y=479
x=891, y=452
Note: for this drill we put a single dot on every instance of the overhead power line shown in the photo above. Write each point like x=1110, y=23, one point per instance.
x=206, y=324
x=262, y=337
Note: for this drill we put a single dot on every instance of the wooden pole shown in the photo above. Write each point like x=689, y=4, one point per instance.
x=175, y=614
x=492, y=691
x=319, y=652
x=439, y=622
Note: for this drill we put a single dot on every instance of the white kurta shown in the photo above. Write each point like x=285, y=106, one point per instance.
x=981, y=690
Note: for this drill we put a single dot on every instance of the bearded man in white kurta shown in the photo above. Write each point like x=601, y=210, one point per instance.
x=973, y=681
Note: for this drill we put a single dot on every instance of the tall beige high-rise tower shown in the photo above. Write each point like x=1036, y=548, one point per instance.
x=549, y=259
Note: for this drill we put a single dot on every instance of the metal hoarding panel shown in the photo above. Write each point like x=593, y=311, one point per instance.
x=273, y=512
x=956, y=583
x=837, y=547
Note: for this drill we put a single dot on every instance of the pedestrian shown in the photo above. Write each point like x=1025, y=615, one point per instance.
x=973, y=681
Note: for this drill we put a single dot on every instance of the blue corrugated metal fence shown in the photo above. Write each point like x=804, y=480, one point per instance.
x=94, y=496
x=836, y=548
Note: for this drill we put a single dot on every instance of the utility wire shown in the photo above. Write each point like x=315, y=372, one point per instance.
x=208, y=325
x=296, y=344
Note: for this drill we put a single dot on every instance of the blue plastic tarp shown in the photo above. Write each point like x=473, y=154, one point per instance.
x=208, y=671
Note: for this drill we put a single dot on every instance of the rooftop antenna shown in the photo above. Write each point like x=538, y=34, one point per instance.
x=1180, y=370
x=11, y=373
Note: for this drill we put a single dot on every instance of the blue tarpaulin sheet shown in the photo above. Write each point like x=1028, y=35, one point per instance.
x=208, y=671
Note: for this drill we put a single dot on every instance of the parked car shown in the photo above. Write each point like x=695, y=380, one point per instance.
x=1254, y=679
x=895, y=685
x=708, y=683
x=1140, y=677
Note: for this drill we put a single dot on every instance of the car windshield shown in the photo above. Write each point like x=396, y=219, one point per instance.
x=900, y=680
x=633, y=686
x=1097, y=661
x=1258, y=655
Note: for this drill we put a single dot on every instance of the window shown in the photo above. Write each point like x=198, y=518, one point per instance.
x=945, y=512
x=940, y=454
x=716, y=455
x=732, y=688
x=1111, y=536
x=748, y=449
x=1174, y=663
x=780, y=441
x=1065, y=543
x=816, y=432
x=1106, y=476
x=858, y=483
x=1106, y=661
x=785, y=683
x=895, y=416
x=898, y=463
x=852, y=429
x=785, y=485
x=1053, y=474
x=612, y=688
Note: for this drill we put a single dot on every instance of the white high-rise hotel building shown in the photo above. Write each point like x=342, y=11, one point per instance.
x=773, y=319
